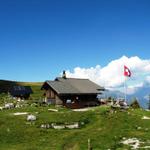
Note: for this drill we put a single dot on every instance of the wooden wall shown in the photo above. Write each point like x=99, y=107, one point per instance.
x=80, y=101
x=51, y=95
x=77, y=101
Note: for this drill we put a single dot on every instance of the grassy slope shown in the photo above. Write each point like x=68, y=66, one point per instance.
x=5, y=86
x=103, y=128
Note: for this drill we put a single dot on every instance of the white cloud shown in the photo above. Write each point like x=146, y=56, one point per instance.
x=111, y=75
x=148, y=79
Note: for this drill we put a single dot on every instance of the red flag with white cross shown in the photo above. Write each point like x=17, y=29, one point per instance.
x=127, y=71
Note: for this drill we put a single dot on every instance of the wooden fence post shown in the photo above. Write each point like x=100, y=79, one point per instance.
x=89, y=144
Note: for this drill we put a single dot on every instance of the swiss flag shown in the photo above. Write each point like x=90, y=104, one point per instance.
x=127, y=71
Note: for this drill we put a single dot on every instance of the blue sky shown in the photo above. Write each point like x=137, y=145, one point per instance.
x=40, y=38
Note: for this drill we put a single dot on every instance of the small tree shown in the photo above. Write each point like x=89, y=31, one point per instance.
x=110, y=98
x=135, y=104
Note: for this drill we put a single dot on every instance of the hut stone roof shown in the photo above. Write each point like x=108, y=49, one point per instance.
x=73, y=86
x=20, y=90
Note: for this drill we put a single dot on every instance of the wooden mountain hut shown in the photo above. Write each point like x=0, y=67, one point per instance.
x=72, y=92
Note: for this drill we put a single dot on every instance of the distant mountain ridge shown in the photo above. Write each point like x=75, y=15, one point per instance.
x=142, y=94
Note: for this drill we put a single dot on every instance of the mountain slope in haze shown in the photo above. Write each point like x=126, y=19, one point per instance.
x=142, y=94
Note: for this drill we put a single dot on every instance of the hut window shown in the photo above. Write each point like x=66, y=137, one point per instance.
x=68, y=101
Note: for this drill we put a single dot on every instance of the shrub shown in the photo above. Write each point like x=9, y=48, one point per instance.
x=5, y=98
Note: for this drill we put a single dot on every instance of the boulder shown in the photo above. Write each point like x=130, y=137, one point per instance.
x=31, y=118
x=9, y=105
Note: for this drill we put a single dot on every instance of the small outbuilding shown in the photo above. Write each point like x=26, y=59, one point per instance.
x=22, y=92
x=72, y=92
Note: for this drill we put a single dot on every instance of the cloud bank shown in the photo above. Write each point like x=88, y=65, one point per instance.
x=111, y=75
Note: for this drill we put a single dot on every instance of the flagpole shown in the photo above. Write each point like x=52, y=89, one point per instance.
x=127, y=73
x=125, y=89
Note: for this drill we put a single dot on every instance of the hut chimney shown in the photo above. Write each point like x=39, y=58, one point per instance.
x=64, y=74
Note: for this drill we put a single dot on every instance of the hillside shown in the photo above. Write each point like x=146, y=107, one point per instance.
x=105, y=129
x=6, y=85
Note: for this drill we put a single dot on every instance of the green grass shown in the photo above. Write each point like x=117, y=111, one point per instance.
x=104, y=129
